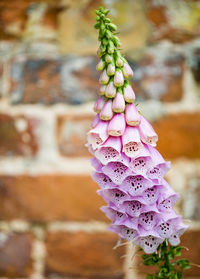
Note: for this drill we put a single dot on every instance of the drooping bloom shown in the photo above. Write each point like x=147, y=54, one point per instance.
x=99, y=104
x=129, y=94
x=118, y=104
x=132, y=115
x=128, y=169
x=106, y=111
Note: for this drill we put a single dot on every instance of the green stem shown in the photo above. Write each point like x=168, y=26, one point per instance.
x=164, y=259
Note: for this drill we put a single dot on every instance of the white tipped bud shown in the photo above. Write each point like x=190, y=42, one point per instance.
x=111, y=69
x=100, y=66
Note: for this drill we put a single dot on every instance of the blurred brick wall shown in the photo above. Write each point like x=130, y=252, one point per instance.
x=50, y=224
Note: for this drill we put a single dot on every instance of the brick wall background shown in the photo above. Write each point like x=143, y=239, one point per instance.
x=50, y=223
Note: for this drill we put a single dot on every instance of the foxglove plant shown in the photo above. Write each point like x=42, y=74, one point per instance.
x=128, y=168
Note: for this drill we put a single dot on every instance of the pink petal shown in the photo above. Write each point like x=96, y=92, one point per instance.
x=110, y=150
x=129, y=94
x=118, y=103
x=131, y=141
x=127, y=71
x=118, y=78
x=132, y=115
x=147, y=133
x=106, y=112
x=110, y=91
x=98, y=135
x=117, y=125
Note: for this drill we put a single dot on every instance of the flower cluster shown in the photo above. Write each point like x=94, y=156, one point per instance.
x=128, y=168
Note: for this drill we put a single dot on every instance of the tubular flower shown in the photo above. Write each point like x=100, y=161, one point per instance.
x=128, y=169
x=106, y=112
x=118, y=104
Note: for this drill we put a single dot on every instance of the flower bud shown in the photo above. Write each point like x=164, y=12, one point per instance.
x=104, y=78
x=112, y=26
x=106, y=112
x=102, y=90
x=110, y=90
x=118, y=78
x=117, y=125
x=100, y=66
x=129, y=94
x=127, y=71
x=109, y=58
x=99, y=104
x=111, y=69
x=111, y=47
x=118, y=103
x=132, y=115
x=119, y=62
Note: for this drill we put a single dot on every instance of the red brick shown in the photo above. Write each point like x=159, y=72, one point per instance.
x=71, y=80
x=17, y=135
x=191, y=199
x=195, y=64
x=49, y=197
x=16, y=13
x=159, y=78
x=164, y=22
x=83, y=255
x=72, y=132
x=179, y=135
x=190, y=240
x=15, y=255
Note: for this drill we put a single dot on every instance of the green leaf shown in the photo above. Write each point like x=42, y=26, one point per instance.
x=184, y=264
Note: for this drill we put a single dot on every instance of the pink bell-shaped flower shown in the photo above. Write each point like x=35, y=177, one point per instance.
x=117, y=125
x=98, y=135
x=95, y=121
x=132, y=115
x=147, y=132
x=118, y=103
x=99, y=104
x=131, y=141
x=106, y=112
x=129, y=94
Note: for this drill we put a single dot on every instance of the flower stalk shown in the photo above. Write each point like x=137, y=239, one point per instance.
x=128, y=168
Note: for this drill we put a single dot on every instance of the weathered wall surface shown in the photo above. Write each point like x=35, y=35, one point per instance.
x=50, y=223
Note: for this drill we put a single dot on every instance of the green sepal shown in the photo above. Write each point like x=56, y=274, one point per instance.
x=108, y=34
x=97, y=25
x=111, y=47
x=107, y=20
x=112, y=26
